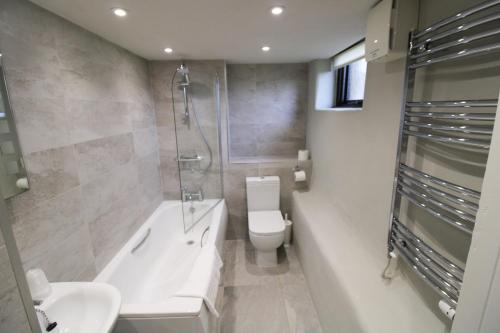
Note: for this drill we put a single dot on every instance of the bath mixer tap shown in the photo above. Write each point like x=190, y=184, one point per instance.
x=192, y=196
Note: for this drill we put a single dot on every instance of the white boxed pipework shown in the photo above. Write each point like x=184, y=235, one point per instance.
x=384, y=42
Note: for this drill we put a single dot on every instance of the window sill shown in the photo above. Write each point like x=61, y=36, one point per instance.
x=339, y=109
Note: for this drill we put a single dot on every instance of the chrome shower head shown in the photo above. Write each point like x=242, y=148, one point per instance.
x=184, y=71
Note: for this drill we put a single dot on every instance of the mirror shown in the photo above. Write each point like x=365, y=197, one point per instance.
x=13, y=177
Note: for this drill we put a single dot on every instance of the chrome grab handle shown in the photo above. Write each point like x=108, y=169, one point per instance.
x=142, y=241
x=203, y=235
x=195, y=158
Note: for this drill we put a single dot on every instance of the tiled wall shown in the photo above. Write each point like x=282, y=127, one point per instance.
x=87, y=128
x=267, y=110
x=235, y=190
x=12, y=315
x=234, y=173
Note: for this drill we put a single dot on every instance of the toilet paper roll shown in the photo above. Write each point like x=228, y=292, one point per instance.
x=303, y=155
x=300, y=176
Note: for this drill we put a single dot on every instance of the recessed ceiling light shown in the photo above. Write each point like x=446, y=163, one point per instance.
x=168, y=50
x=120, y=12
x=277, y=10
x=266, y=48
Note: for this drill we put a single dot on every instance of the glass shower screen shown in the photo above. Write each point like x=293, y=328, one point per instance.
x=196, y=107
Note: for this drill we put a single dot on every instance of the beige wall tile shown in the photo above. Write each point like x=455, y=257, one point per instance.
x=86, y=123
x=112, y=229
x=42, y=123
x=267, y=107
x=51, y=172
x=91, y=119
x=145, y=141
x=101, y=194
x=7, y=280
x=101, y=156
x=52, y=234
x=12, y=315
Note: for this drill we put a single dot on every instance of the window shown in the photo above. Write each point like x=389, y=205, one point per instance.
x=350, y=84
x=349, y=73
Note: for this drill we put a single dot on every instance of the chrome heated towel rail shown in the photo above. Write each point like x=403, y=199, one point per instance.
x=470, y=33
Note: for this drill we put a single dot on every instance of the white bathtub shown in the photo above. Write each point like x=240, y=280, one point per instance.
x=149, y=276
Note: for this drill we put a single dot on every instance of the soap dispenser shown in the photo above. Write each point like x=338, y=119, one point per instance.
x=40, y=289
x=39, y=285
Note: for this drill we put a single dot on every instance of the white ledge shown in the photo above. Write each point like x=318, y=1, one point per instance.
x=339, y=109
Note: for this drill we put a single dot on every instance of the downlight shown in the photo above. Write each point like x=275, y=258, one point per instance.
x=120, y=12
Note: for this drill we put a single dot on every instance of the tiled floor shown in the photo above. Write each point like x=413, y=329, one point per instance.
x=271, y=300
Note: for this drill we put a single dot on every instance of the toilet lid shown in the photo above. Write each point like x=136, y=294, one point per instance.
x=266, y=222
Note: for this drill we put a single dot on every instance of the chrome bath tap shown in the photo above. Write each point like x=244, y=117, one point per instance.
x=192, y=196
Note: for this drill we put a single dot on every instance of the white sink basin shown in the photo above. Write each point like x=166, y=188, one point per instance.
x=82, y=307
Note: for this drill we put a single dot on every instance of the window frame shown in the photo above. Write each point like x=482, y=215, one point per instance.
x=340, y=76
x=341, y=84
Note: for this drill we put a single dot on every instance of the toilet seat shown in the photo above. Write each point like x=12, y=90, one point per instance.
x=266, y=223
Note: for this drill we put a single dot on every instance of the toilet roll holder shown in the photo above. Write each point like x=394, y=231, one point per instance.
x=297, y=168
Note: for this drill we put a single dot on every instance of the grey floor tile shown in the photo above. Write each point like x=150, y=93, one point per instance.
x=252, y=309
x=254, y=296
x=302, y=316
x=241, y=268
x=291, y=271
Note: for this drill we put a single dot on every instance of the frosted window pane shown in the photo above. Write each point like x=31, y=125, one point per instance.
x=356, y=81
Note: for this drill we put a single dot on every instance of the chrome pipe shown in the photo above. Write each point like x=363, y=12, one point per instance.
x=460, y=41
x=477, y=129
x=460, y=28
x=409, y=81
x=457, y=224
x=421, y=270
x=431, y=274
x=457, y=55
x=185, y=99
x=445, y=139
x=449, y=279
x=457, y=17
x=452, y=115
x=456, y=104
x=447, y=265
x=431, y=200
x=434, y=191
x=467, y=192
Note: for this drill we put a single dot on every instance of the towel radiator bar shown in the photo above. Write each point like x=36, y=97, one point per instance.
x=472, y=32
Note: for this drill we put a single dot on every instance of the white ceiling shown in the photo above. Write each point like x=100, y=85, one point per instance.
x=233, y=30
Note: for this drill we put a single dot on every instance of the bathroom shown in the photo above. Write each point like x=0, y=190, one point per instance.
x=249, y=166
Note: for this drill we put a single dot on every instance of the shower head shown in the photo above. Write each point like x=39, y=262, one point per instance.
x=184, y=71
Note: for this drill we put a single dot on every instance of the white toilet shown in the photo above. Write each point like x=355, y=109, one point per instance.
x=265, y=223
